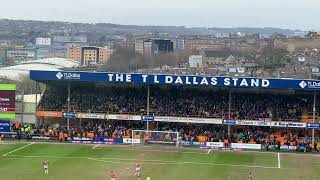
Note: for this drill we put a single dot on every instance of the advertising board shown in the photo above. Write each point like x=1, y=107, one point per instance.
x=288, y=124
x=313, y=126
x=7, y=101
x=69, y=115
x=214, y=144
x=187, y=120
x=147, y=118
x=245, y=146
x=5, y=126
x=252, y=123
x=130, y=141
x=229, y=122
x=90, y=116
x=124, y=117
x=49, y=114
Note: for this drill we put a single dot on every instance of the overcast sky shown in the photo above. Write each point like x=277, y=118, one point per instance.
x=294, y=14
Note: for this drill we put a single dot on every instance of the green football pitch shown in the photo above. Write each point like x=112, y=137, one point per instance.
x=23, y=161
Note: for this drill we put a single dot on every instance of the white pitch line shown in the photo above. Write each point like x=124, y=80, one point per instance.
x=182, y=163
x=17, y=149
x=279, y=165
x=95, y=146
x=150, y=162
x=152, y=150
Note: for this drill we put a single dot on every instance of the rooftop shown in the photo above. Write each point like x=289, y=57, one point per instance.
x=18, y=72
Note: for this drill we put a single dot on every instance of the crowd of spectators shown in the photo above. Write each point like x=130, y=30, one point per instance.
x=90, y=130
x=203, y=133
x=179, y=101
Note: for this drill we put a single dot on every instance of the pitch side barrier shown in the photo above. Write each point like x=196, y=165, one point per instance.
x=191, y=144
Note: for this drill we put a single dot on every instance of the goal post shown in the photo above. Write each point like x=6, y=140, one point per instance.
x=144, y=137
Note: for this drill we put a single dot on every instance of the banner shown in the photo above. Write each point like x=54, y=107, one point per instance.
x=288, y=124
x=7, y=101
x=44, y=138
x=229, y=122
x=215, y=81
x=214, y=144
x=48, y=114
x=7, y=115
x=252, y=123
x=245, y=146
x=288, y=148
x=79, y=139
x=69, y=115
x=147, y=118
x=5, y=126
x=90, y=116
x=129, y=141
x=191, y=144
x=187, y=120
x=313, y=126
x=124, y=117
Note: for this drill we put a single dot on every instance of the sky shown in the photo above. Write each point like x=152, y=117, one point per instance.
x=293, y=14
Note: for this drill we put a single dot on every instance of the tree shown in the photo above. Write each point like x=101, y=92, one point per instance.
x=272, y=58
x=124, y=60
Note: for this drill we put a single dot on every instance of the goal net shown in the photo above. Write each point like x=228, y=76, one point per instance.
x=144, y=137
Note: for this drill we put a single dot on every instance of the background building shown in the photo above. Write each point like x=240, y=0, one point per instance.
x=89, y=55
x=153, y=46
x=18, y=55
x=195, y=61
x=43, y=41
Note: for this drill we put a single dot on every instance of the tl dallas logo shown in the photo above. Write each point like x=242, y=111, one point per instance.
x=68, y=76
x=59, y=75
x=302, y=84
x=310, y=84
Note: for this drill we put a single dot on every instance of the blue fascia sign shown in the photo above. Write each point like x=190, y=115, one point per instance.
x=5, y=126
x=313, y=126
x=214, y=81
x=69, y=115
x=229, y=122
x=147, y=118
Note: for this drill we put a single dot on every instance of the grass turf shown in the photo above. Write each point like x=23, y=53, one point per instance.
x=81, y=162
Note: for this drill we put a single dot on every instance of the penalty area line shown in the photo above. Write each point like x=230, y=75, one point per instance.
x=95, y=146
x=181, y=163
x=279, y=165
x=6, y=154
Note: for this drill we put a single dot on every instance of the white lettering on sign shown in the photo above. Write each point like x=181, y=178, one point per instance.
x=110, y=77
x=4, y=99
x=156, y=79
x=187, y=80
x=265, y=83
x=168, y=79
x=119, y=77
x=178, y=80
x=144, y=78
x=204, y=81
x=128, y=77
x=214, y=81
